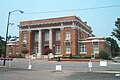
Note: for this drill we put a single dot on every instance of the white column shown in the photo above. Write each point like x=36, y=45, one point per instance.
x=50, y=38
x=39, y=44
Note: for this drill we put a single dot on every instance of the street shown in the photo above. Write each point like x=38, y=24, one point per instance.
x=70, y=66
x=46, y=70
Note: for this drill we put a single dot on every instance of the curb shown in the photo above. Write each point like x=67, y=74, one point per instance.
x=2, y=66
x=108, y=71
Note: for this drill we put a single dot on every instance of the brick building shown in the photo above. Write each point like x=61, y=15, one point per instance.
x=12, y=48
x=64, y=35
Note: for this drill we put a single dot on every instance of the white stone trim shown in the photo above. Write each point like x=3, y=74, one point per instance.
x=83, y=30
x=84, y=24
x=83, y=53
x=92, y=41
x=52, y=22
x=42, y=28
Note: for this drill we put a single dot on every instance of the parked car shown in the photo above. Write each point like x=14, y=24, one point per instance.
x=116, y=59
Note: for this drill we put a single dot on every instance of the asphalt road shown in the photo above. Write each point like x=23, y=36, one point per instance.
x=44, y=70
x=25, y=74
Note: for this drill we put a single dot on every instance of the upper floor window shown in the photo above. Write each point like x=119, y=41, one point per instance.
x=46, y=36
x=24, y=36
x=67, y=35
x=36, y=36
x=57, y=36
x=79, y=35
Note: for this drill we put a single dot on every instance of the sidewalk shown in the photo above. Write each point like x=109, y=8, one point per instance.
x=76, y=60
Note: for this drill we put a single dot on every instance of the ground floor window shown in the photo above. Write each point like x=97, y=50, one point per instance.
x=11, y=50
x=17, y=49
x=95, y=48
x=36, y=49
x=68, y=49
x=57, y=49
x=82, y=48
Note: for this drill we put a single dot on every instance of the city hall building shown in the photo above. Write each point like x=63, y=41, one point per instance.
x=64, y=35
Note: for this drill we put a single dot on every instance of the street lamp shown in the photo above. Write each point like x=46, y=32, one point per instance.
x=7, y=31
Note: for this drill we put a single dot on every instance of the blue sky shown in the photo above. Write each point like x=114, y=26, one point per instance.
x=101, y=20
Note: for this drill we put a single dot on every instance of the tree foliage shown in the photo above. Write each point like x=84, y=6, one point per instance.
x=114, y=45
x=103, y=55
x=12, y=38
x=2, y=45
x=116, y=31
x=24, y=51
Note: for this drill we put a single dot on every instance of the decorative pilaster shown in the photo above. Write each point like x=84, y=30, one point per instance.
x=62, y=38
x=50, y=38
x=29, y=42
x=39, y=44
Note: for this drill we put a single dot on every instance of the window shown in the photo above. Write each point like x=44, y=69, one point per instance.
x=67, y=35
x=68, y=49
x=57, y=36
x=24, y=45
x=57, y=49
x=82, y=48
x=95, y=48
x=24, y=36
x=36, y=37
x=17, y=49
x=36, y=49
x=11, y=49
x=79, y=34
x=46, y=36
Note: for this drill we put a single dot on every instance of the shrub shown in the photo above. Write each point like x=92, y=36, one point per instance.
x=114, y=54
x=24, y=51
x=47, y=51
x=17, y=56
x=103, y=55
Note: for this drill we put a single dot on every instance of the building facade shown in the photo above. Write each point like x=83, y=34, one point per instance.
x=64, y=35
x=12, y=48
x=91, y=46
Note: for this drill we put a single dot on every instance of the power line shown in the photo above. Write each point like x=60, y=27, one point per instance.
x=74, y=9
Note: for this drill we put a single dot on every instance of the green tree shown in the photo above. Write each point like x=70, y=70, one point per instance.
x=2, y=45
x=116, y=31
x=114, y=45
x=2, y=39
x=12, y=38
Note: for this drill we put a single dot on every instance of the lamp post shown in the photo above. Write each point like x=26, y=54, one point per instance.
x=7, y=32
